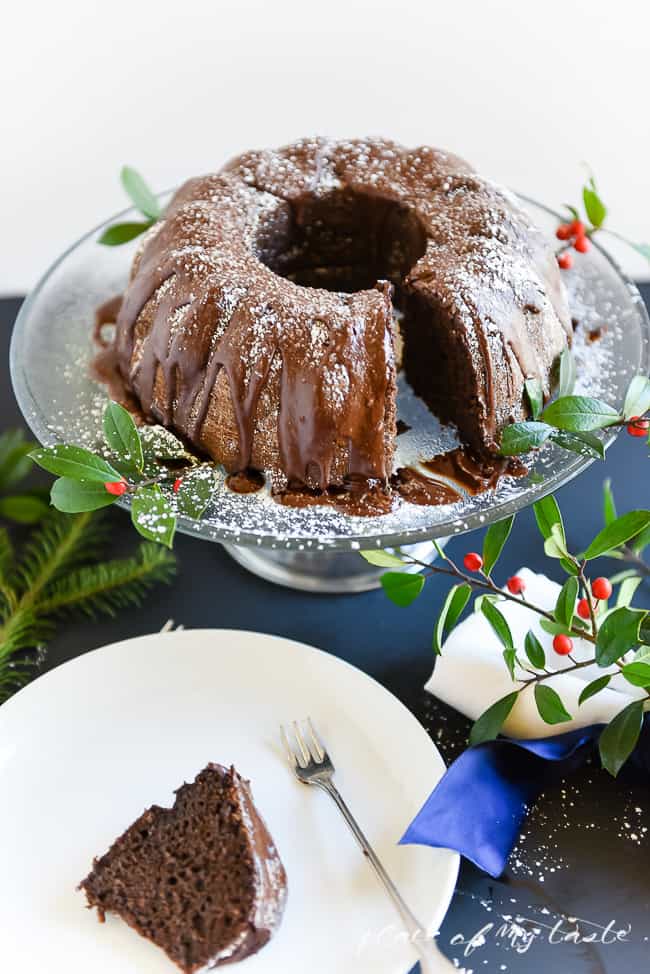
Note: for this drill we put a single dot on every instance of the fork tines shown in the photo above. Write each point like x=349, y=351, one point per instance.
x=306, y=747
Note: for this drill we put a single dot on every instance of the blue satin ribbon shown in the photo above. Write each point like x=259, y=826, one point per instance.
x=478, y=806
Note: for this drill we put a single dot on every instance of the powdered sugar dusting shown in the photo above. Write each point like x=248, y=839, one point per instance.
x=52, y=350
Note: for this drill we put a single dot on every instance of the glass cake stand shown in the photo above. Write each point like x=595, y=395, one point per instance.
x=316, y=548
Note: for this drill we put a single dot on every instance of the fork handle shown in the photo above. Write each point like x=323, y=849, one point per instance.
x=432, y=961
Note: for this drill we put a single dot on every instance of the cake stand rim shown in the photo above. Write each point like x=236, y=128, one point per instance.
x=463, y=524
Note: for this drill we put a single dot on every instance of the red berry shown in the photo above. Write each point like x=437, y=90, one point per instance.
x=582, y=245
x=601, y=588
x=638, y=426
x=177, y=484
x=563, y=232
x=565, y=261
x=116, y=487
x=562, y=645
x=516, y=585
x=473, y=561
x=577, y=229
x=583, y=609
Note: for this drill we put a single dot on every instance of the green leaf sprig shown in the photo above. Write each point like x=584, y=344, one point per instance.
x=577, y=233
x=572, y=421
x=88, y=481
x=144, y=200
x=618, y=633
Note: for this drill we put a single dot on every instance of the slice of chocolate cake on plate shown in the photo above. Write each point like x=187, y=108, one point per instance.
x=202, y=880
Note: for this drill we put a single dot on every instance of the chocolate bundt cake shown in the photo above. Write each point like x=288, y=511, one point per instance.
x=259, y=323
x=202, y=880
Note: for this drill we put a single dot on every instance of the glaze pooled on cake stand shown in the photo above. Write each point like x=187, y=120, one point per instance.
x=316, y=547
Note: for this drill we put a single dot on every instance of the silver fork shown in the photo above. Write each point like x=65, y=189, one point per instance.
x=312, y=765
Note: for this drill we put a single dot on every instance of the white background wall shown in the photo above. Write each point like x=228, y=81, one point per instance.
x=525, y=89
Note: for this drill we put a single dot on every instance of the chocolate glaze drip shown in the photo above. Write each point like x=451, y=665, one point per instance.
x=474, y=474
x=414, y=487
x=258, y=322
x=246, y=482
x=361, y=499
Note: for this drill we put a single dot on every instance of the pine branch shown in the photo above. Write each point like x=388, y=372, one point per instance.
x=110, y=586
x=53, y=579
x=6, y=553
x=58, y=545
x=22, y=630
x=7, y=595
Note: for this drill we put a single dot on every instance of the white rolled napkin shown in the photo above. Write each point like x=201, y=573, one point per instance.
x=471, y=674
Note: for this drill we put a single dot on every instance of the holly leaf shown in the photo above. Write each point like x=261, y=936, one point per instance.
x=618, y=633
x=609, y=505
x=637, y=398
x=585, y=444
x=494, y=541
x=456, y=600
x=549, y=705
x=510, y=658
x=558, y=628
x=619, y=738
x=580, y=414
x=535, y=396
x=555, y=545
x=152, y=515
x=121, y=233
x=402, y=588
x=498, y=622
x=567, y=378
x=484, y=597
x=566, y=602
x=641, y=541
x=522, y=437
x=627, y=590
x=489, y=724
x=122, y=435
x=74, y=496
x=142, y=197
x=534, y=651
x=547, y=514
x=74, y=462
x=594, y=207
x=617, y=533
x=382, y=559
x=594, y=687
x=23, y=508
x=195, y=492
x=637, y=673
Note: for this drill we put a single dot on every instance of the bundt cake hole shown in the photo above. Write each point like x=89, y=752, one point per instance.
x=347, y=241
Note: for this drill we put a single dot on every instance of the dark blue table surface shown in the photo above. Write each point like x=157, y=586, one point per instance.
x=584, y=853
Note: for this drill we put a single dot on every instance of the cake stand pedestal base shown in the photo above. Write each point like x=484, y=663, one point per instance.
x=322, y=571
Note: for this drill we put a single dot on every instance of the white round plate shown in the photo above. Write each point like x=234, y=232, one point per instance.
x=85, y=748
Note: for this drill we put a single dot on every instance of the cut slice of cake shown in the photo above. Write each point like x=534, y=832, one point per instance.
x=202, y=880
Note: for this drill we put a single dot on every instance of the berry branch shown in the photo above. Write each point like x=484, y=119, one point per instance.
x=577, y=233
x=582, y=611
x=572, y=421
x=133, y=466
